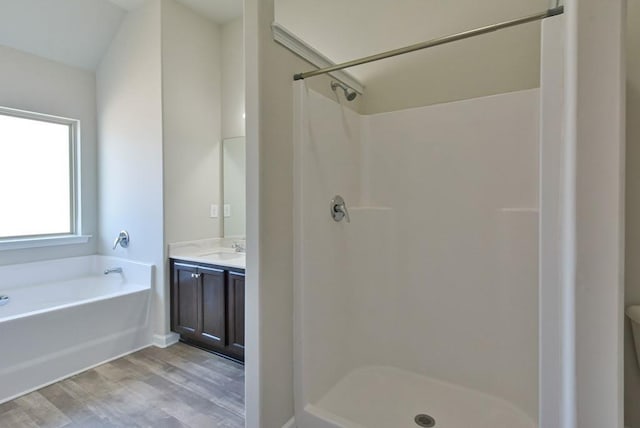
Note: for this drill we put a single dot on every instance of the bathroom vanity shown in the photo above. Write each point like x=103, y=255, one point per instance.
x=207, y=299
x=207, y=276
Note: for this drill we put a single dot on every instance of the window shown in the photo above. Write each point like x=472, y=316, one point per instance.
x=38, y=188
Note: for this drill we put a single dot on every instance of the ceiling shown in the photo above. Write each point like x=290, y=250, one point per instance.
x=218, y=11
x=74, y=32
x=78, y=32
x=127, y=4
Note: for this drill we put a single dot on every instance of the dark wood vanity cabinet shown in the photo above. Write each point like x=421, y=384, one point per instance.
x=235, y=314
x=207, y=306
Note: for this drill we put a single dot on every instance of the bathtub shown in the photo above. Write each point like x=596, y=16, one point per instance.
x=65, y=316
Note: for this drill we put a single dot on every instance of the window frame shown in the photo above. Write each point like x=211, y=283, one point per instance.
x=75, y=235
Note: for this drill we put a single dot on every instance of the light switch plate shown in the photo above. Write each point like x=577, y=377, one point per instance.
x=213, y=211
x=227, y=210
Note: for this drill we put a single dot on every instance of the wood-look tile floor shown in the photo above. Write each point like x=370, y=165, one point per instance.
x=180, y=386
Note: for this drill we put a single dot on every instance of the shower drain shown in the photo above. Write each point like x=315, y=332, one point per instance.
x=424, y=420
x=4, y=300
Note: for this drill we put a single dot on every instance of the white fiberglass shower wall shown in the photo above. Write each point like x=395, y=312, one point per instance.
x=431, y=289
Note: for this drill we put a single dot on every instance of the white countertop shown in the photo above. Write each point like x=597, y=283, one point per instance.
x=215, y=251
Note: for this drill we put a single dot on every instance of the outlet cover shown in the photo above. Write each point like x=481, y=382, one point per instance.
x=213, y=211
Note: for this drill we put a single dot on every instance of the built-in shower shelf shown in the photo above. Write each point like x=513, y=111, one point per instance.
x=520, y=210
x=371, y=208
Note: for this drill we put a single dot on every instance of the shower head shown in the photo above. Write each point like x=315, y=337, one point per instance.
x=349, y=93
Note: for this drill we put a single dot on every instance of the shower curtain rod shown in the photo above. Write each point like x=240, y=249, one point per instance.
x=434, y=42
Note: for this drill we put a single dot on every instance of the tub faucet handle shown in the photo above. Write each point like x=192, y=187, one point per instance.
x=122, y=240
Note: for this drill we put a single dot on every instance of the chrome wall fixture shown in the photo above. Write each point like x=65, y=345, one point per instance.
x=349, y=93
x=122, y=240
x=434, y=42
x=338, y=209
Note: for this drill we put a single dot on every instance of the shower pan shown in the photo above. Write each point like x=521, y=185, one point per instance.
x=422, y=309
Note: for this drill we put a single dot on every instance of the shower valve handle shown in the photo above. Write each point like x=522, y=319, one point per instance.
x=339, y=209
x=122, y=240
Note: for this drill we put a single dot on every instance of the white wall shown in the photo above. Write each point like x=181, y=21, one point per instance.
x=233, y=82
x=269, y=311
x=594, y=122
x=632, y=296
x=129, y=89
x=554, y=183
x=254, y=372
x=191, y=92
x=36, y=84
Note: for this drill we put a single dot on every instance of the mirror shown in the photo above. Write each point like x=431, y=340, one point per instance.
x=234, y=186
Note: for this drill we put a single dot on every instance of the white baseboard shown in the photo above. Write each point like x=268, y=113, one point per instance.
x=291, y=423
x=165, y=340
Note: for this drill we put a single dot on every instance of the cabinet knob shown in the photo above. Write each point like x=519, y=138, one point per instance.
x=195, y=275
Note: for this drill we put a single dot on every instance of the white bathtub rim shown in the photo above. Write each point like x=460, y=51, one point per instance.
x=131, y=289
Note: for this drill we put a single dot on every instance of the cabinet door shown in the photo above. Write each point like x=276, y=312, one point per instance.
x=212, y=306
x=235, y=315
x=184, y=307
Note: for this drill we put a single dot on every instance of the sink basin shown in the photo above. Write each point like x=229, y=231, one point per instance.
x=222, y=255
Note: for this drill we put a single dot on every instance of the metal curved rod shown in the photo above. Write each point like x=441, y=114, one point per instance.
x=434, y=42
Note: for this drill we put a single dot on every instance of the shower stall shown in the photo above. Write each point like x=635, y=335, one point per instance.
x=416, y=243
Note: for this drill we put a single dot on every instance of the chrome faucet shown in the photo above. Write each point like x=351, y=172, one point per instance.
x=113, y=270
x=122, y=240
x=239, y=247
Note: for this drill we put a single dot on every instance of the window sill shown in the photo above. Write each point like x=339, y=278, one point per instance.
x=50, y=241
